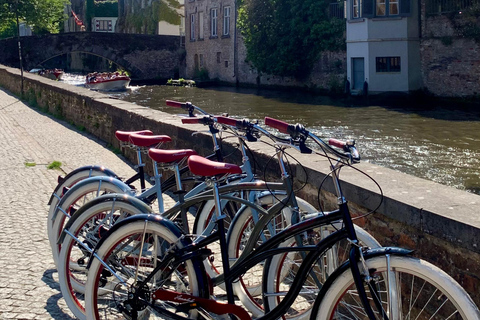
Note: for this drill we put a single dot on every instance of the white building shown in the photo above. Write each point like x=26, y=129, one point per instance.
x=104, y=24
x=383, y=46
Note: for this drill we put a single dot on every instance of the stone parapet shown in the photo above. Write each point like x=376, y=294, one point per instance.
x=440, y=223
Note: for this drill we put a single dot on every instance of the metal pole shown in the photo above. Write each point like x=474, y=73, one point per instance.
x=19, y=45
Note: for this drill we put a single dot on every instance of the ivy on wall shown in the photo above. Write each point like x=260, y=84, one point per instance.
x=106, y=8
x=146, y=19
x=286, y=37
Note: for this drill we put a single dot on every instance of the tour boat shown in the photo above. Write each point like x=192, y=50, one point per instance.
x=107, y=81
x=53, y=74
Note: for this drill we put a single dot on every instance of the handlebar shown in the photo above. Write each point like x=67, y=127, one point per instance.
x=298, y=132
x=188, y=106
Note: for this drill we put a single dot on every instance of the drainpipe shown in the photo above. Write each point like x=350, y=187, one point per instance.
x=235, y=46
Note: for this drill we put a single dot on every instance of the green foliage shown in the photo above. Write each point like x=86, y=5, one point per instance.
x=202, y=74
x=147, y=18
x=285, y=37
x=43, y=16
x=106, y=8
x=466, y=23
x=54, y=165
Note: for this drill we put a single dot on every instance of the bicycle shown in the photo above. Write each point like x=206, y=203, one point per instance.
x=170, y=280
x=96, y=209
x=80, y=192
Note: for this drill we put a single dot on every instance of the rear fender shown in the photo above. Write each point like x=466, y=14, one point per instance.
x=111, y=197
x=154, y=218
x=118, y=183
x=105, y=171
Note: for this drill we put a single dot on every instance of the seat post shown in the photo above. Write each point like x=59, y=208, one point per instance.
x=140, y=166
x=158, y=187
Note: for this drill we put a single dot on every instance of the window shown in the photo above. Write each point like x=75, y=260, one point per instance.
x=201, y=60
x=192, y=27
x=103, y=25
x=200, y=24
x=386, y=8
x=381, y=8
x=356, y=10
x=388, y=64
x=226, y=64
x=226, y=21
x=213, y=26
x=219, y=56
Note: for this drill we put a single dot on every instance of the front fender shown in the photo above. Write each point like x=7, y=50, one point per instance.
x=124, y=188
x=370, y=253
x=105, y=171
x=111, y=197
x=154, y=218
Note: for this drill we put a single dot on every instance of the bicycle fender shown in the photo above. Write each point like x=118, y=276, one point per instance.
x=120, y=184
x=106, y=171
x=370, y=253
x=154, y=218
x=111, y=197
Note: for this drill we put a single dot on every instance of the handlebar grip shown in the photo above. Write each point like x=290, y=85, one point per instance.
x=174, y=104
x=337, y=143
x=227, y=121
x=277, y=124
x=190, y=120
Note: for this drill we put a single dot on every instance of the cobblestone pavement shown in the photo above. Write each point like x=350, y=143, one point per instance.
x=28, y=286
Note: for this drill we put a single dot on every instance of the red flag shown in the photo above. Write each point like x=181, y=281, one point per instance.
x=77, y=20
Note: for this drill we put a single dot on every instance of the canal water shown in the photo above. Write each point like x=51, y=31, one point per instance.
x=439, y=144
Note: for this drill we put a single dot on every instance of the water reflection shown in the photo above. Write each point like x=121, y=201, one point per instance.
x=439, y=144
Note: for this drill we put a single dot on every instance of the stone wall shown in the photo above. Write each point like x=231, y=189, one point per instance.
x=450, y=61
x=440, y=223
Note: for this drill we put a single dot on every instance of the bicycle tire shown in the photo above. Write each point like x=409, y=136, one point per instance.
x=77, y=196
x=247, y=292
x=194, y=284
x=336, y=297
x=280, y=270
x=87, y=224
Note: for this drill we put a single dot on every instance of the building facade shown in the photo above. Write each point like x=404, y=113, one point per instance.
x=383, y=46
x=211, y=39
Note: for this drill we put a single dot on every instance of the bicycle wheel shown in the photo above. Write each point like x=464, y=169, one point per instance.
x=71, y=179
x=108, y=298
x=281, y=270
x=89, y=224
x=249, y=288
x=408, y=288
x=77, y=196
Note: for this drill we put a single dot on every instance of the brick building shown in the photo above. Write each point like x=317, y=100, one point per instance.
x=211, y=39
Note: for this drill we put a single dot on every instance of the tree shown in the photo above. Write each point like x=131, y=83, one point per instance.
x=43, y=16
x=285, y=37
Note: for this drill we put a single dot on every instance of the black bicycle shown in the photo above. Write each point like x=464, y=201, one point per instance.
x=147, y=268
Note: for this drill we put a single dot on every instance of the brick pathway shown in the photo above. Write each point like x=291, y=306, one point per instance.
x=28, y=287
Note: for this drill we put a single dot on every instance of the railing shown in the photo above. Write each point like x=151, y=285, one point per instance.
x=337, y=10
x=448, y=6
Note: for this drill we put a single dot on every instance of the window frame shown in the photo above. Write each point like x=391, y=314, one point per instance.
x=386, y=4
x=226, y=21
x=213, y=22
x=392, y=64
x=201, y=25
x=192, y=27
x=358, y=5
